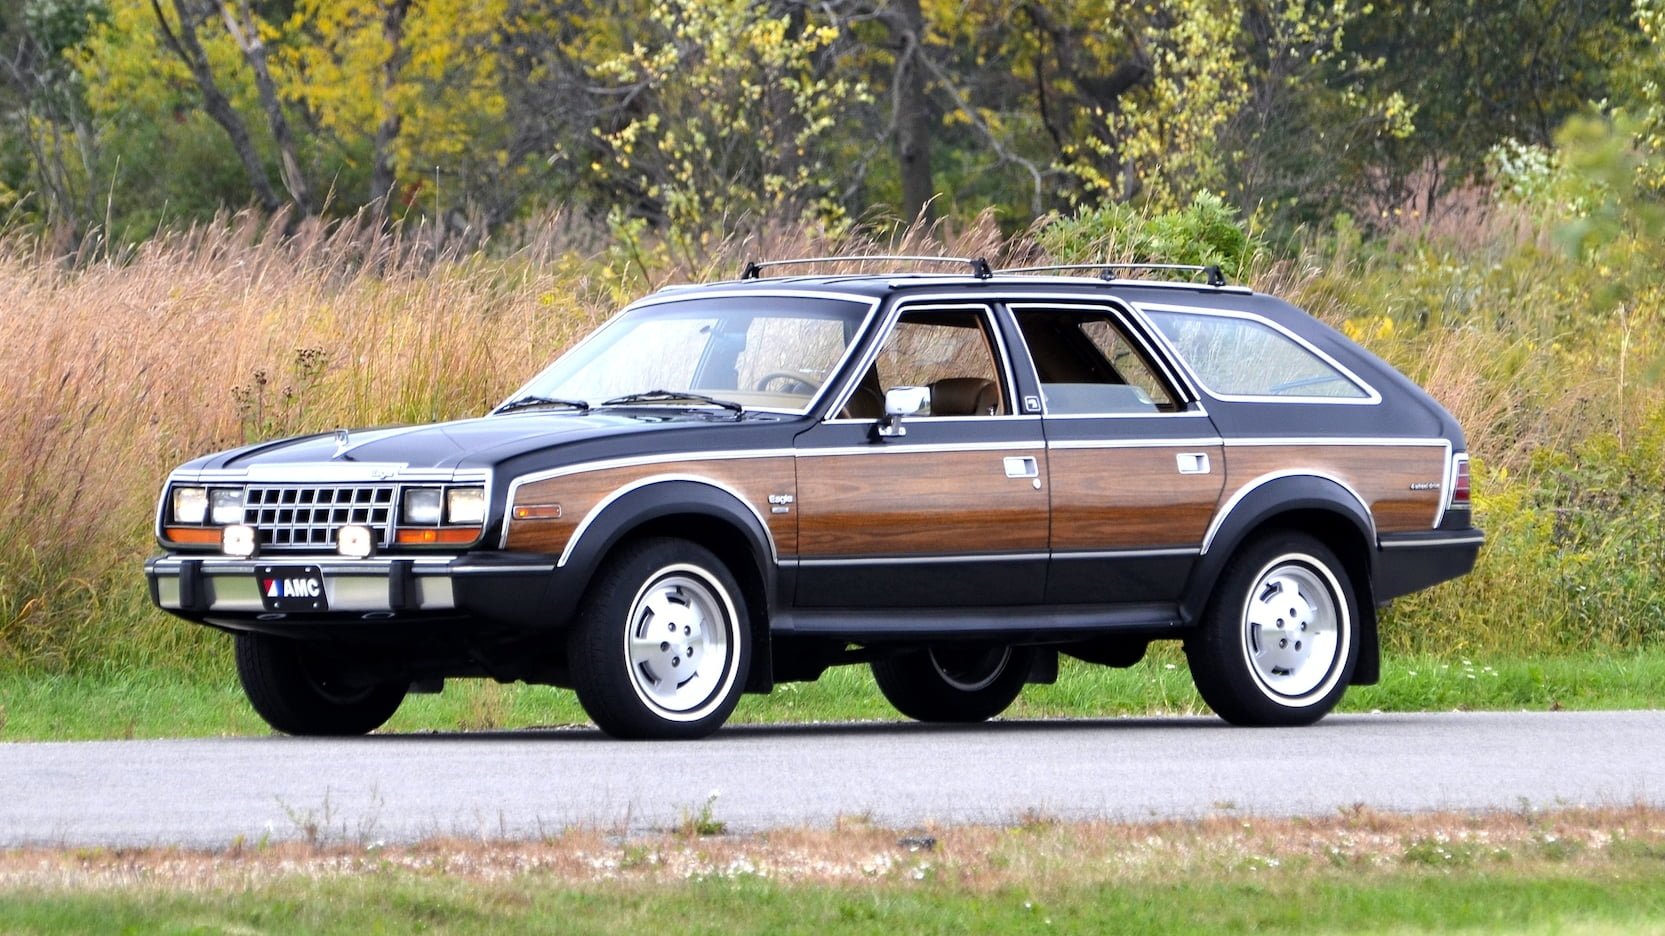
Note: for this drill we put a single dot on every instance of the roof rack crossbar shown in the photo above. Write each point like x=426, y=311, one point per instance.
x=979, y=267
x=1212, y=270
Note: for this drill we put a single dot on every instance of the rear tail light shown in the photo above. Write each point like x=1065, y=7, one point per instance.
x=1459, y=482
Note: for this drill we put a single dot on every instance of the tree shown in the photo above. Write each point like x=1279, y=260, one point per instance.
x=1478, y=72
x=42, y=107
x=181, y=37
x=719, y=112
x=245, y=29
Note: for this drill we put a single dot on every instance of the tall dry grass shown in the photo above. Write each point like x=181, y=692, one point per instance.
x=216, y=336
x=120, y=368
x=226, y=333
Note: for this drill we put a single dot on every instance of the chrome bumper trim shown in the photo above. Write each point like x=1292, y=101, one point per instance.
x=1423, y=540
x=222, y=584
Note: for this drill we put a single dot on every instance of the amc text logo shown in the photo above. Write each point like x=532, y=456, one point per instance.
x=290, y=587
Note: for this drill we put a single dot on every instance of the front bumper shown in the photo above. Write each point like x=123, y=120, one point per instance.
x=509, y=589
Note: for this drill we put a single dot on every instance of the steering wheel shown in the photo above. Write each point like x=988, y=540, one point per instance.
x=809, y=384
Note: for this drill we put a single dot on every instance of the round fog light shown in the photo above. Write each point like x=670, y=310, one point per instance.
x=238, y=540
x=355, y=542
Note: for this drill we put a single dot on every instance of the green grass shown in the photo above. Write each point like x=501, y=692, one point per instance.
x=1623, y=896
x=159, y=703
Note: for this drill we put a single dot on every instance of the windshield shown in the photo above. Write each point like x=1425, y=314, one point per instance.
x=768, y=353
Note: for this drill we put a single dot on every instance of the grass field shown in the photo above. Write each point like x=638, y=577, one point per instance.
x=1573, y=871
x=153, y=703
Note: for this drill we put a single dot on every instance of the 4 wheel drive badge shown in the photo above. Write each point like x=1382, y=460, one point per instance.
x=342, y=440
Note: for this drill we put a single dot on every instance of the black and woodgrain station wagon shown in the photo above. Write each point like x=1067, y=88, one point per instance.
x=951, y=478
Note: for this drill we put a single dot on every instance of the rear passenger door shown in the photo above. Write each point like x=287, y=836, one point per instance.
x=1136, y=465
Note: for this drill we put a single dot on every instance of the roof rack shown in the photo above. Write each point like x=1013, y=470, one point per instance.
x=1212, y=270
x=979, y=267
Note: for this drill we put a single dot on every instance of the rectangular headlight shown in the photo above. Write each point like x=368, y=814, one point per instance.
x=421, y=507
x=465, y=506
x=190, y=504
x=225, y=506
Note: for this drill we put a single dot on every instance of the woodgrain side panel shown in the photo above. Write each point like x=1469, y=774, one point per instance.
x=1131, y=498
x=753, y=478
x=926, y=503
x=1382, y=475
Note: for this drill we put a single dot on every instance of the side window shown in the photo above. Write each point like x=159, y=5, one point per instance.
x=1243, y=357
x=949, y=351
x=1089, y=366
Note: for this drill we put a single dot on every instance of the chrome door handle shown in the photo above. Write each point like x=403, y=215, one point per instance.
x=1022, y=466
x=1192, y=462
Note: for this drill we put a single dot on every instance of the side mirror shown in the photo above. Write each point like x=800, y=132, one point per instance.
x=899, y=402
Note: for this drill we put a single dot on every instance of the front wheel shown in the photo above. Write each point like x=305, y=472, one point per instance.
x=661, y=646
x=970, y=682
x=298, y=691
x=1278, y=643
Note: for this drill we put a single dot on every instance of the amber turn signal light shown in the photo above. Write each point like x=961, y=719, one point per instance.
x=429, y=536
x=193, y=536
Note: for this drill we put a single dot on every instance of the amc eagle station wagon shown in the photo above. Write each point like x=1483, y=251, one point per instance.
x=953, y=479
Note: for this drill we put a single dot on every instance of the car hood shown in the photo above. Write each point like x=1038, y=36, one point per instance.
x=463, y=444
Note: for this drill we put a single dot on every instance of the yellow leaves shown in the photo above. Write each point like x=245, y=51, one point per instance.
x=745, y=110
x=1368, y=328
x=444, y=93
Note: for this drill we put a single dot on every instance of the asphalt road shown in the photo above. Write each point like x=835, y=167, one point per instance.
x=530, y=783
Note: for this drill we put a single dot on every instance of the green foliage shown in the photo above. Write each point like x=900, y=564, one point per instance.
x=1478, y=74
x=1206, y=231
x=737, y=116
x=1162, y=133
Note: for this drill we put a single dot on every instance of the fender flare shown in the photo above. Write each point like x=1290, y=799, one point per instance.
x=1259, y=504
x=665, y=497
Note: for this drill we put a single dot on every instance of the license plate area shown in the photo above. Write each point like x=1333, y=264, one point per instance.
x=292, y=588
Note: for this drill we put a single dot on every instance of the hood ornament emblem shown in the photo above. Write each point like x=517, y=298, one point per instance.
x=342, y=440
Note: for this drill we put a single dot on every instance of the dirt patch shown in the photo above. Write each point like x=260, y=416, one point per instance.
x=1033, y=849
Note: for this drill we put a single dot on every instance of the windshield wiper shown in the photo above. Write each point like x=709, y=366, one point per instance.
x=673, y=396
x=533, y=399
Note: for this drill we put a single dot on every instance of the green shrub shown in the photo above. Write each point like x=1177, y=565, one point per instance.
x=1207, y=231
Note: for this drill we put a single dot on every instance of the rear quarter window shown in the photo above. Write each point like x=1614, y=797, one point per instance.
x=1245, y=357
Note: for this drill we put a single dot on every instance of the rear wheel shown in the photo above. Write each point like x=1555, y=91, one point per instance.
x=1277, y=645
x=969, y=682
x=661, y=646
x=296, y=689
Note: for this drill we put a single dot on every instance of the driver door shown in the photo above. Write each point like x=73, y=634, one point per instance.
x=952, y=513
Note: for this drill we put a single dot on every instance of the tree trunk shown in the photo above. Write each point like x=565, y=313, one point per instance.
x=189, y=50
x=913, y=114
x=246, y=32
x=381, y=159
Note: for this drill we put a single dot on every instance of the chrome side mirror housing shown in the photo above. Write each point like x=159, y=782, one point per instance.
x=899, y=402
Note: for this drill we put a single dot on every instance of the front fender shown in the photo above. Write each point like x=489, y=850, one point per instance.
x=698, y=509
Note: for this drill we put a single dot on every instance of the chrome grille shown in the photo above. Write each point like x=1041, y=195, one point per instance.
x=309, y=515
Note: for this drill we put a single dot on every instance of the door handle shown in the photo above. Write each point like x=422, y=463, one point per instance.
x=1022, y=466
x=1192, y=462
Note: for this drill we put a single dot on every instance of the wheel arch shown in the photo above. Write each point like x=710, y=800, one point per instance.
x=1315, y=505
x=696, y=510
